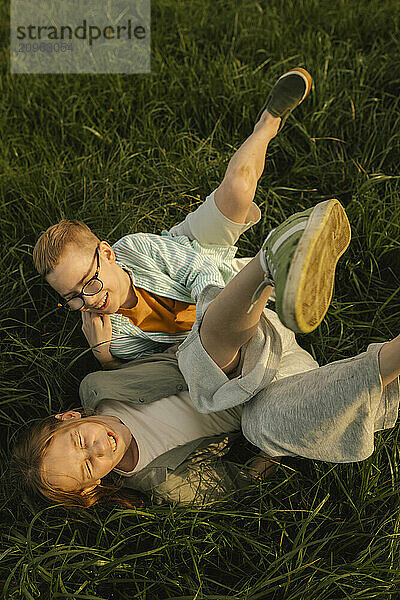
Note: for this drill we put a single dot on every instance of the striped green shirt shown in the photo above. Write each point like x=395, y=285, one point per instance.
x=173, y=267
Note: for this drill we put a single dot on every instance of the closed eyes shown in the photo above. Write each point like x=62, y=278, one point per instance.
x=81, y=445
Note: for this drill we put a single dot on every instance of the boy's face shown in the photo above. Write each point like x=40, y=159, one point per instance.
x=78, y=265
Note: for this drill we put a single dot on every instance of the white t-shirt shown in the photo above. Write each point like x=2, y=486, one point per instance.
x=167, y=423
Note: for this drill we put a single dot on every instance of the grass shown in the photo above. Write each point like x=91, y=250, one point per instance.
x=128, y=153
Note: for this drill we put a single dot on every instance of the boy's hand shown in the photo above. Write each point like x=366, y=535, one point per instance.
x=98, y=330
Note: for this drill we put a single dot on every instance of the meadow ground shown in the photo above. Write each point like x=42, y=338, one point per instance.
x=128, y=153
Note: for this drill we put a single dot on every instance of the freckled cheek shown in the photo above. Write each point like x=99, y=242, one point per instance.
x=101, y=469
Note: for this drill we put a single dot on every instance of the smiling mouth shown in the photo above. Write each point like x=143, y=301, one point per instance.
x=113, y=441
x=103, y=303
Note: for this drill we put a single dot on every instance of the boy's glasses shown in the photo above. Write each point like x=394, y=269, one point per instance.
x=91, y=288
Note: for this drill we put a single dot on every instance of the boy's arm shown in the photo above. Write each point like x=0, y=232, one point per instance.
x=152, y=253
x=98, y=332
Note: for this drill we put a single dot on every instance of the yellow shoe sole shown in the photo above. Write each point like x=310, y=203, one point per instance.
x=310, y=281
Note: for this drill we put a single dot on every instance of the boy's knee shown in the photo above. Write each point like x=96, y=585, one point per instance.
x=242, y=180
x=235, y=194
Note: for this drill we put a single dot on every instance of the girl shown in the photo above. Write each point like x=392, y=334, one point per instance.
x=328, y=413
x=157, y=435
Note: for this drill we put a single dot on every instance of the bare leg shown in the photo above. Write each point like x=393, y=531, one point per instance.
x=226, y=325
x=389, y=360
x=234, y=196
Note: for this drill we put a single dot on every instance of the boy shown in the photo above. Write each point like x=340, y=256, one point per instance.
x=139, y=296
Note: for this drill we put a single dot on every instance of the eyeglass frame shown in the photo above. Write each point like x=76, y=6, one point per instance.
x=64, y=303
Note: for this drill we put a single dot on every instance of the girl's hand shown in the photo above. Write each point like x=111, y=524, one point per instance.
x=98, y=330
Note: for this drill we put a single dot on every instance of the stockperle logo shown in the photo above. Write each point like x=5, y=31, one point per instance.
x=83, y=36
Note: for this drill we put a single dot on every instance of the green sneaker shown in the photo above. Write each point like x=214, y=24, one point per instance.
x=288, y=92
x=299, y=258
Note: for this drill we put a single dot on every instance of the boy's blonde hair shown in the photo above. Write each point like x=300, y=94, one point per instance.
x=52, y=243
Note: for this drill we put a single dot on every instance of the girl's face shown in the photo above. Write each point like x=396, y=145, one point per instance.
x=83, y=450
